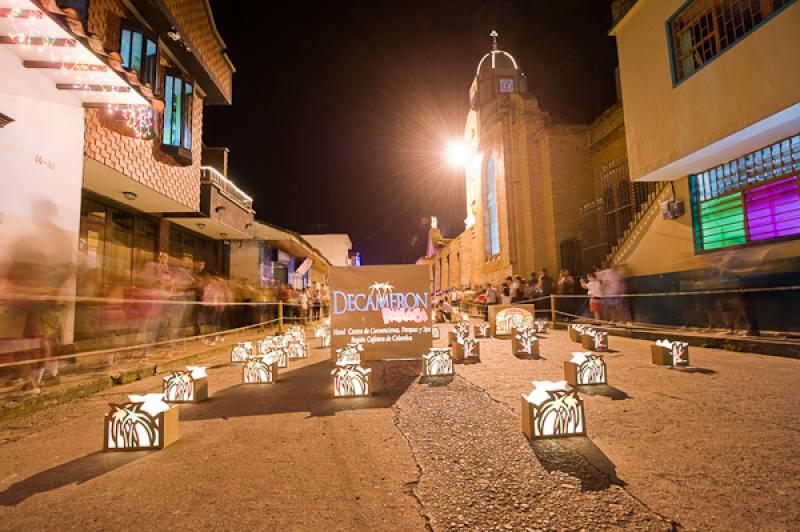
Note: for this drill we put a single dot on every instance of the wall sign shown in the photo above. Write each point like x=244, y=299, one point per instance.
x=386, y=309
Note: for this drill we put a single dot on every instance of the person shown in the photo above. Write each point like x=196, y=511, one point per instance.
x=505, y=297
x=594, y=288
x=566, y=286
x=530, y=287
x=544, y=288
x=316, y=305
x=491, y=295
x=303, y=300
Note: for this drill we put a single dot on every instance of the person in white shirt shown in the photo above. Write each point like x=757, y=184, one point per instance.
x=595, y=289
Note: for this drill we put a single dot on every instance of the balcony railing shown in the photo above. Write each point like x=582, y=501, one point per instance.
x=620, y=8
x=212, y=176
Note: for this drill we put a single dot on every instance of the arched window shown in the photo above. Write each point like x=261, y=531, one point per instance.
x=491, y=229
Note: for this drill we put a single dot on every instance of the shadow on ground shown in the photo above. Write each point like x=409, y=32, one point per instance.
x=308, y=389
x=579, y=457
x=701, y=371
x=77, y=471
x=603, y=390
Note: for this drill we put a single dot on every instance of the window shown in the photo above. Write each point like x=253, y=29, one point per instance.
x=751, y=199
x=702, y=29
x=491, y=230
x=139, y=53
x=178, y=104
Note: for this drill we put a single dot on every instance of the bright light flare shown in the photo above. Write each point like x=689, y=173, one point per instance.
x=457, y=154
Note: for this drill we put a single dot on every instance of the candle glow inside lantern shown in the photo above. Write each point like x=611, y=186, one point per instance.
x=585, y=369
x=241, y=351
x=438, y=362
x=594, y=340
x=190, y=386
x=576, y=332
x=262, y=369
x=525, y=343
x=666, y=353
x=481, y=330
x=550, y=411
x=145, y=422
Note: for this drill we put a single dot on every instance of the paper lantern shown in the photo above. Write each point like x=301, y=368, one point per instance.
x=666, y=353
x=241, y=351
x=481, y=330
x=469, y=351
x=585, y=369
x=458, y=334
x=325, y=341
x=540, y=326
x=190, y=386
x=550, y=411
x=575, y=333
x=438, y=362
x=320, y=331
x=260, y=370
x=277, y=347
x=525, y=343
x=509, y=319
x=145, y=422
x=350, y=381
x=297, y=349
x=349, y=355
x=435, y=333
x=594, y=340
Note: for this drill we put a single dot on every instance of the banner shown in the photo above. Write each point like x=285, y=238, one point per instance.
x=384, y=308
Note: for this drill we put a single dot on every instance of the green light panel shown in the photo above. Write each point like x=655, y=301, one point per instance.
x=723, y=222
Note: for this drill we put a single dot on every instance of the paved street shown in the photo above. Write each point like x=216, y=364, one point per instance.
x=706, y=448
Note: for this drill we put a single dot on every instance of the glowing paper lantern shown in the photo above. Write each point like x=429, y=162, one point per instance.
x=509, y=319
x=585, y=369
x=666, y=353
x=594, y=340
x=349, y=355
x=458, y=334
x=525, y=343
x=435, y=333
x=540, y=326
x=277, y=347
x=468, y=351
x=481, y=330
x=350, y=381
x=190, y=386
x=145, y=422
x=297, y=349
x=321, y=331
x=550, y=411
x=241, y=351
x=260, y=370
x=325, y=341
x=438, y=362
x=575, y=333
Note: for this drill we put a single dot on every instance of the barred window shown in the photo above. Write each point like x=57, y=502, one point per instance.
x=751, y=199
x=702, y=29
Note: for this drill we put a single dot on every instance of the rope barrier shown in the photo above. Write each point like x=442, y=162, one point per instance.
x=112, y=350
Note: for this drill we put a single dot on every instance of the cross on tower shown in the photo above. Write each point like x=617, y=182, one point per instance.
x=494, y=36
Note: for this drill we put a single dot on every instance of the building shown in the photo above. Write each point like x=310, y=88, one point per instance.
x=713, y=118
x=337, y=247
x=276, y=255
x=104, y=104
x=529, y=180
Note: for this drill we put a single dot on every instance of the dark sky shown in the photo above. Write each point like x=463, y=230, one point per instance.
x=342, y=110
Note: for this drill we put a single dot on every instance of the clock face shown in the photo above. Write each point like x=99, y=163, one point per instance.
x=506, y=85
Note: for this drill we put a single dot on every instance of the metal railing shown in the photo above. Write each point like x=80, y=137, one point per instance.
x=212, y=176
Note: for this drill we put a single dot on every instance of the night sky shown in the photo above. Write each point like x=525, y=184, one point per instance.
x=342, y=110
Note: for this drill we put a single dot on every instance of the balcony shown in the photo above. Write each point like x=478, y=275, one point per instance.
x=211, y=176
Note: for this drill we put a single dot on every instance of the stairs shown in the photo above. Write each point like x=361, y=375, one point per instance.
x=648, y=210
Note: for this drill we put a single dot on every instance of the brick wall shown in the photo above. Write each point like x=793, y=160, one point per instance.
x=194, y=19
x=143, y=160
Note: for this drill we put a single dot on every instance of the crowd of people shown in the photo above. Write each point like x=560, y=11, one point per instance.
x=604, y=288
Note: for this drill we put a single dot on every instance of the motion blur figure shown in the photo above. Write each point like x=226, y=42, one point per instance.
x=39, y=265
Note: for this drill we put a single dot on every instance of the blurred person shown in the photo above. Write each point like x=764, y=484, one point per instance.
x=147, y=315
x=566, y=286
x=302, y=299
x=530, y=287
x=613, y=288
x=505, y=295
x=316, y=307
x=40, y=265
x=491, y=294
x=594, y=287
x=544, y=288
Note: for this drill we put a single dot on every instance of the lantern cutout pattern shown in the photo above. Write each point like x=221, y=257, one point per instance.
x=144, y=422
x=349, y=378
x=240, y=351
x=297, y=349
x=471, y=350
x=512, y=318
x=666, y=353
x=325, y=341
x=277, y=347
x=525, y=343
x=550, y=411
x=585, y=369
x=481, y=330
x=190, y=386
x=458, y=334
x=540, y=326
x=438, y=362
x=261, y=369
x=436, y=333
x=320, y=331
x=594, y=340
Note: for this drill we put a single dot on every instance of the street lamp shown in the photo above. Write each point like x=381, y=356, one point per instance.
x=457, y=154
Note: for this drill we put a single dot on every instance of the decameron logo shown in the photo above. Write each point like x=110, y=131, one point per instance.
x=395, y=307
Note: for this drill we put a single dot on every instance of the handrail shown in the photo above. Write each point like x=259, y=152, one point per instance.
x=209, y=174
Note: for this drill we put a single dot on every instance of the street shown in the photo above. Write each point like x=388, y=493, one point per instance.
x=710, y=447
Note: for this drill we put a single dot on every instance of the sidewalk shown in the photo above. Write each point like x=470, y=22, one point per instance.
x=89, y=375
